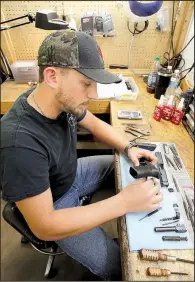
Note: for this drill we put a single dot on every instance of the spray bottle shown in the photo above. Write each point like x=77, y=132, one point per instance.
x=158, y=112
x=178, y=113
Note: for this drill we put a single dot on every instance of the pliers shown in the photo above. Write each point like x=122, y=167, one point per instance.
x=137, y=136
x=138, y=130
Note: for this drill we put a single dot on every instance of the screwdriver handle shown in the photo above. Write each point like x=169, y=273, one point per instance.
x=152, y=255
x=152, y=271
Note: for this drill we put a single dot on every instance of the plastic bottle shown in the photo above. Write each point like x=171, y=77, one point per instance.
x=153, y=75
x=71, y=21
x=170, y=69
x=158, y=112
x=174, y=81
x=168, y=109
x=178, y=113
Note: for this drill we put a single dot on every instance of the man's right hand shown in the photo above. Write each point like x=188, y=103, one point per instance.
x=140, y=196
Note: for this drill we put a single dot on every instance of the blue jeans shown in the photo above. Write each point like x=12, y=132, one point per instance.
x=94, y=249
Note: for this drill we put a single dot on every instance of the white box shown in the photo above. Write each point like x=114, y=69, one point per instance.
x=25, y=71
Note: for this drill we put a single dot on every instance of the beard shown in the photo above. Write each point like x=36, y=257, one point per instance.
x=67, y=105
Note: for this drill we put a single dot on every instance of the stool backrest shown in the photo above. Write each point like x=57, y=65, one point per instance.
x=13, y=216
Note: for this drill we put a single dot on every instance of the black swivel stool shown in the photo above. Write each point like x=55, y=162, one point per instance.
x=13, y=216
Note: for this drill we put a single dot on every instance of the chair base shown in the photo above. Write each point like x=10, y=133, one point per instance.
x=24, y=240
x=49, y=271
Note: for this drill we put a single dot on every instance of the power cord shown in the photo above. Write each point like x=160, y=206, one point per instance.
x=135, y=32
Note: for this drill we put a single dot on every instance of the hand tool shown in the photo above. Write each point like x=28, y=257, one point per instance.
x=186, y=210
x=170, y=222
x=163, y=175
x=169, y=162
x=138, y=136
x=176, y=186
x=174, y=151
x=153, y=271
x=175, y=156
x=179, y=228
x=165, y=148
x=151, y=213
x=174, y=238
x=177, y=162
x=156, y=256
x=138, y=130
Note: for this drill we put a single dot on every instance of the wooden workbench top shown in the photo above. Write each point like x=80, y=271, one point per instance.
x=133, y=268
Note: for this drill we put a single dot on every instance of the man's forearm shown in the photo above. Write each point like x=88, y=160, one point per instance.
x=68, y=222
x=109, y=135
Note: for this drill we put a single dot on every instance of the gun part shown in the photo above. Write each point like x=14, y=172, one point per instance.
x=150, y=255
x=147, y=146
x=170, y=222
x=170, y=190
x=151, y=213
x=153, y=271
x=163, y=175
x=174, y=238
x=179, y=228
x=145, y=169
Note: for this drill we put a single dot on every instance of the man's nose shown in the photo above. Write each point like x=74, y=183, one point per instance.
x=92, y=94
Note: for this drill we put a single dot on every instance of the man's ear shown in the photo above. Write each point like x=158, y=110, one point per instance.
x=50, y=77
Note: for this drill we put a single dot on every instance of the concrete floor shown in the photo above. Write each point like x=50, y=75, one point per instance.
x=21, y=262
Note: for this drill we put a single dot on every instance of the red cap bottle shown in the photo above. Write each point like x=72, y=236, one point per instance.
x=168, y=109
x=178, y=113
x=158, y=112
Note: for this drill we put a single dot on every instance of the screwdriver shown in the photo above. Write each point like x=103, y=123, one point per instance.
x=151, y=213
x=156, y=256
x=152, y=271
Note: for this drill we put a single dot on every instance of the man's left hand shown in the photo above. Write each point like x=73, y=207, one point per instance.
x=136, y=153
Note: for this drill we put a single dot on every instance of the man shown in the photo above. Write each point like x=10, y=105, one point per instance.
x=40, y=171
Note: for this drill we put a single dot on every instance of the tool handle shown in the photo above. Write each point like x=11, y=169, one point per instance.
x=152, y=255
x=152, y=271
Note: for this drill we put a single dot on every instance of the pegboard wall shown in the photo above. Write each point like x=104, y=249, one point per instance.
x=22, y=43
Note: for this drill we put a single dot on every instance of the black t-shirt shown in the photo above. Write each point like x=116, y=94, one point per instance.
x=36, y=152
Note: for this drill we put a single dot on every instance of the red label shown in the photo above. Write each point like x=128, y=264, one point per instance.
x=167, y=112
x=158, y=113
x=177, y=117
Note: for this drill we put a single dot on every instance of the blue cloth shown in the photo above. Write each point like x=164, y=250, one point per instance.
x=94, y=249
x=141, y=234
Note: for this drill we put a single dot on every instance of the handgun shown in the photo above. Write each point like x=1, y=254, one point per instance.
x=145, y=169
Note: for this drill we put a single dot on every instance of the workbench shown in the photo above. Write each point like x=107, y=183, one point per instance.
x=133, y=268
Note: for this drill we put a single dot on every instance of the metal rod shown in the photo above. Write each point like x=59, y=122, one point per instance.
x=14, y=19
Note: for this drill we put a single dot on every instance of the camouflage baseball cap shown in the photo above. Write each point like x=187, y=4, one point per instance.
x=77, y=50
